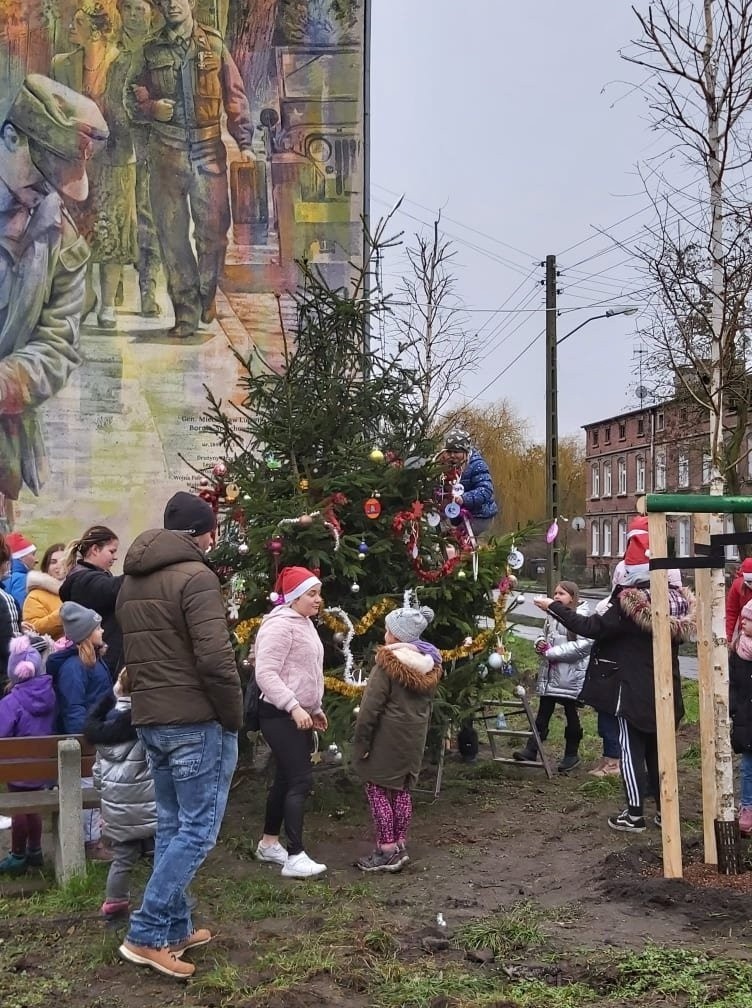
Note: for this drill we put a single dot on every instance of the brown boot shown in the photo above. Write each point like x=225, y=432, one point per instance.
x=161, y=960
x=95, y=850
x=201, y=936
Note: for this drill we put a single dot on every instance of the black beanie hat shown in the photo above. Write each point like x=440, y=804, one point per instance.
x=185, y=512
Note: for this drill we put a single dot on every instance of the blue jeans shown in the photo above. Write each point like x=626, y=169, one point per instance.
x=192, y=766
x=608, y=729
x=745, y=767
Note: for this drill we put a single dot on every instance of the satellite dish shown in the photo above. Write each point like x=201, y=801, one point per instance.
x=578, y=524
x=641, y=392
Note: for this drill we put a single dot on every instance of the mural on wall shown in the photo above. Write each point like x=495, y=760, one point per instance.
x=162, y=166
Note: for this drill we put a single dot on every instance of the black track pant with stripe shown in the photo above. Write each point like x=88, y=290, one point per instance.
x=639, y=766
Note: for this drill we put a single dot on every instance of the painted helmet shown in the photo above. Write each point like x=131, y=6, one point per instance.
x=457, y=439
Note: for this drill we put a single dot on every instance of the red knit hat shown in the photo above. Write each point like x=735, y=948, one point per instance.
x=637, y=554
x=19, y=545
x=293, y=582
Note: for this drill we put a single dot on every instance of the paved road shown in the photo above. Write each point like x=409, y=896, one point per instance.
x=687, y=664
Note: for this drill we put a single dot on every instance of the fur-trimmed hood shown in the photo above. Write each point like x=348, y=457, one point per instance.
x=407, y=666
x=636, y=605
x=38, y=579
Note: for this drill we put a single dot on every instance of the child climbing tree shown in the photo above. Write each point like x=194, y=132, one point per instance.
x=327, y=464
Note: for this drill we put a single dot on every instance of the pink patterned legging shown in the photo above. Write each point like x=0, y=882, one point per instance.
x=392, y=812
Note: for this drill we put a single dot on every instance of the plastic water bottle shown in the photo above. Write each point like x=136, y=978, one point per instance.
x=501, y=721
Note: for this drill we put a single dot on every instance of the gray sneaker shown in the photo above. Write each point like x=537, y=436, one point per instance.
x=379, y=860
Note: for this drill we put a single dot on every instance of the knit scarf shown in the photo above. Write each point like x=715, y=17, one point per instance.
x=744, y=647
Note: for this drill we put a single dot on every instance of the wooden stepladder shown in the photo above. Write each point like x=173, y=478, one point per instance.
x=513, y=709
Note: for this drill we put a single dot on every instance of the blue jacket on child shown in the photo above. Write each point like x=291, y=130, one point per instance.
x=478, y=496
x=77, y=686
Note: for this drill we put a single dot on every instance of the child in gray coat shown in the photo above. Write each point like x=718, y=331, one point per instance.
x=122, y=775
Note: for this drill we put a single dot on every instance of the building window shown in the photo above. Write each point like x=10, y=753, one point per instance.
x=621, y=476
x=732, y=552
x=607, y=479
x=595, y=481
x=706, y=466
x=682, y=537
x=683, y=416
x=659, y=421
x=660, y=470
x=641, y=427
x=595, y=539
x=594, y=438
x=683, y=470
x=607, y=538
x=640, y=474
x=621, y=532
x=622, y=431
x=607, y=435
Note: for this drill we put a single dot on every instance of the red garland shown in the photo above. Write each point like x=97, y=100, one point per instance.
x=401, y=521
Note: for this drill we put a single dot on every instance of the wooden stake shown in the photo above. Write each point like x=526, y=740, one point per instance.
x=664, y=703
x=705, y=690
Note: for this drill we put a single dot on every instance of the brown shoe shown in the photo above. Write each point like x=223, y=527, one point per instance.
x=96, y=851
x=201, y=936
x=161, y=960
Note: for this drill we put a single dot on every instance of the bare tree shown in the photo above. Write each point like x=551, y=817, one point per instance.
x=431, y=324
x=699, y=57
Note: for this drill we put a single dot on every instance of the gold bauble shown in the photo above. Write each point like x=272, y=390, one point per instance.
x=376, y=455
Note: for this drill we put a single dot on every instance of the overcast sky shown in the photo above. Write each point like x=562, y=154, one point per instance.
x=520, y=121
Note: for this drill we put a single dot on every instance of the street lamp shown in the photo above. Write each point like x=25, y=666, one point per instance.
x=552, y=433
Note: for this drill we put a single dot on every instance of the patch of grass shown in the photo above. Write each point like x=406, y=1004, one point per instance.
x=294, y=965
x=691, y=755
x=223, y=980
x=506, y=934
x=599, y=788
x=379, y=941
x=691, y=701
x=539, y=994
x=420, y=985
x=688, y=977
x=81, y=894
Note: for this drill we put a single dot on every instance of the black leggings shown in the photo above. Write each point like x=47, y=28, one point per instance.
x=546, y=706
x=293, y=778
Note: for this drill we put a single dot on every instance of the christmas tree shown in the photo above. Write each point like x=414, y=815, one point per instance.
x=328, y=465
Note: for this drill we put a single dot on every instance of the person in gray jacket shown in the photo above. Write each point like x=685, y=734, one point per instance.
x=122, y=776
x=562, y=673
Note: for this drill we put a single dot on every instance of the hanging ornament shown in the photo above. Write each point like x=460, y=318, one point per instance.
x=516, y=559
x=232, y=491
x=305, y=521
x=355, y=587
x=452, y=510
x=376, y=455
x=246, y=663
x=275, y=545
x=482, y=672
x=303, y=484
x=363, y=548
x=243, y=548
x=461, y=574
x=494, y=660
x=272, y=462
x=433, y=518
x=372, y=508
x=219, y=469
x=338, y=637
x=553, y=531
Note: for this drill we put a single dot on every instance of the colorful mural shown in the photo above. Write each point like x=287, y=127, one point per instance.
x=162, y=166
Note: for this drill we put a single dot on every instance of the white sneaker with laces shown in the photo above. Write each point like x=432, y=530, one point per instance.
x=273, y=853
x=301, y=866
x=5, y=822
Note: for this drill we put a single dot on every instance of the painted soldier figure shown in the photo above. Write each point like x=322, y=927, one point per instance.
x=46, y=138
x=180, y=83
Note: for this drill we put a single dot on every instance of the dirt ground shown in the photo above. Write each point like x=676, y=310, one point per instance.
x=498, y=838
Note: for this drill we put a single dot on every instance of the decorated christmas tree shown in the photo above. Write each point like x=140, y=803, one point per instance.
x=327, y=464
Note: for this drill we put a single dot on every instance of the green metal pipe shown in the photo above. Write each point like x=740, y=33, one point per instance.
x=695, y=504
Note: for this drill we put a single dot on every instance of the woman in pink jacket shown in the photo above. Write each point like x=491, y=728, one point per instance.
x=290, y=676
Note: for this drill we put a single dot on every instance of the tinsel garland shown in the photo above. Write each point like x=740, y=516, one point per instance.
x=349, y=690
x=245, y=630
x=482, y=640
x=364, y=624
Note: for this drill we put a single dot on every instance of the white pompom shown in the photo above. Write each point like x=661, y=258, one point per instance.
x=273, y=597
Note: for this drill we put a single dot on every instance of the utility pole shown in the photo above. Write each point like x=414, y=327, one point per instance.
x=552, y=424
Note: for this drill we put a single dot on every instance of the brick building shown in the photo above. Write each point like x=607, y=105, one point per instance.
x=661, y=447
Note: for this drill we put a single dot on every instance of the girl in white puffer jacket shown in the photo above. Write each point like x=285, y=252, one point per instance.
x=562, y=673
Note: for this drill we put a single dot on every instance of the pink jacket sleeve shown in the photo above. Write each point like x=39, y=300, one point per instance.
x=273, y=643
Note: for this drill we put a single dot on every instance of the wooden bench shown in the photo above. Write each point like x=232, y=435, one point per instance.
x=62, y=760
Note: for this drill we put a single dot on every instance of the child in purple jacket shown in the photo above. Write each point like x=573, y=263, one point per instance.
x=28, y=708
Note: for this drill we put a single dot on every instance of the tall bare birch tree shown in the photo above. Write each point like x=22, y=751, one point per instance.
x=699, y=57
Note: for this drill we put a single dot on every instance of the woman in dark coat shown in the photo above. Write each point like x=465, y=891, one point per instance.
x=620, y=681
x=90, y=583
x=390, y=733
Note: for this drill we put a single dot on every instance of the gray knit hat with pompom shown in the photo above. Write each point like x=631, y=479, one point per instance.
x=408, y=624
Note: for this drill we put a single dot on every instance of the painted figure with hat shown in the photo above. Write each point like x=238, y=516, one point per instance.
x=391, y=730
x=180, y=84
x=26, y=710
x=23, y=560
x=289, y=659
x=46, y=138
x=187, y=704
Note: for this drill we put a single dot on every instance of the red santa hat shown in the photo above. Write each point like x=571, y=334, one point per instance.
x=292, y=582
x=19, y=545
x=637, y=555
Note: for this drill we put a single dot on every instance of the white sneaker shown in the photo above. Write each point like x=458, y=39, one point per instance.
x=301, y=866
x=274, y=853
x=5, y=822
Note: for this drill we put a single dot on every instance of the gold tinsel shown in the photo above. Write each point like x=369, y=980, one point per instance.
x=245, y=630
x=364, y=624
x=482, y=640
x=335, y=685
